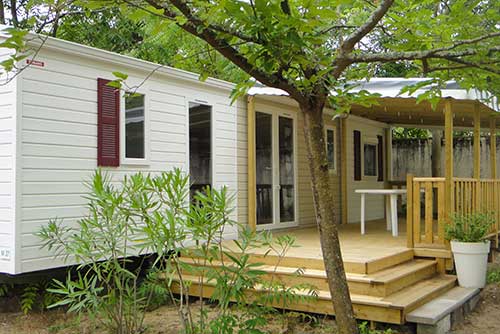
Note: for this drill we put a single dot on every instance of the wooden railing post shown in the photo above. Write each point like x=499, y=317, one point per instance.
x=252, y=186
x=409, y=211
x=448, y=170
x=493, y=148
x=477, y=157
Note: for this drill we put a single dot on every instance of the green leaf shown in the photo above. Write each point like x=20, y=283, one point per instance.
x=120, y=75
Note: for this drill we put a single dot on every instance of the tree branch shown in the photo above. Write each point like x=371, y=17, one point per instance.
x=349, y=43
x=461, y=67
x=415, y=55
x=469, y=64
x=208, y=34
x=198, y=22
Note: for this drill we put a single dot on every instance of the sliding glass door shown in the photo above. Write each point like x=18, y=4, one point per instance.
x=275, y=170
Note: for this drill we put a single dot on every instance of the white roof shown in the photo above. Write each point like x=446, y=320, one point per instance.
x=69, y=47
x=391, y=87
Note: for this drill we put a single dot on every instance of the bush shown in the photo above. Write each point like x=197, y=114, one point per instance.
x=493, y=276
x=473, y=227
x=154, y=214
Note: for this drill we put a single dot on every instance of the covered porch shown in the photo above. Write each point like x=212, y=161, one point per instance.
x=432, y=200
x=390, y=276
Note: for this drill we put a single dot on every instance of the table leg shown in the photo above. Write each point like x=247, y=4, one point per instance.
x=388, y=215
x=394, y=214
x=362, y=213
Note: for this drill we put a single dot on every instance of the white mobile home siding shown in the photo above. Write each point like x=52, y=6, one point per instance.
x=376, y=204
x=8, y=123
x=59, y=138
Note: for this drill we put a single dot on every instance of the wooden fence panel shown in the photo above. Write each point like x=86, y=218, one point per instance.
x=470, y=196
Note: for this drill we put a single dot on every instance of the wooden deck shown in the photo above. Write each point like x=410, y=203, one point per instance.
x=386, y=280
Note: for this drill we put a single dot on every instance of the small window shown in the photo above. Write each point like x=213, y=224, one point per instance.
x=134, y=127
x=330, y=148
x=370, y=159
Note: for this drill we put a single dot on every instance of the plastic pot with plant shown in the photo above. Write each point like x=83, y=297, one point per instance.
x=470, y=246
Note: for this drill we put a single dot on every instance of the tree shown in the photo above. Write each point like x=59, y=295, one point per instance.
x=309, y=48
x=109, y=29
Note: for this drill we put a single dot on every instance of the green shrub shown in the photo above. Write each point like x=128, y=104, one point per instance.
x=473, y=227
x=493, y=276
x=154, y=215
x=104, y=284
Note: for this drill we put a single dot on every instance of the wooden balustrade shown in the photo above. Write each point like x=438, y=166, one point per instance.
x=426, y=215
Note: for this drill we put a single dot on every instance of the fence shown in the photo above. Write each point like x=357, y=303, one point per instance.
x=426, y=215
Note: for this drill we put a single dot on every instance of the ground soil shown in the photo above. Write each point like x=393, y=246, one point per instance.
x=485, y=319
x=163, y=320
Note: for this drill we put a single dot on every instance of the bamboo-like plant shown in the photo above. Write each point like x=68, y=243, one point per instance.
x=154, y=215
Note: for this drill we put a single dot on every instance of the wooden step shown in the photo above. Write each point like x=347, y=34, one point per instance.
x=418, y=294
x=382, y=283
x=353, y=266
x=389, y=309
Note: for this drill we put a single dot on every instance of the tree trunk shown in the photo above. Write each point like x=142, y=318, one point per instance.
x=325, y=217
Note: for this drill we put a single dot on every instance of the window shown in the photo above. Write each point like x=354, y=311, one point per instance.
x=135, y=141
x=370, y=159
x=200, y=146
x=330, y=149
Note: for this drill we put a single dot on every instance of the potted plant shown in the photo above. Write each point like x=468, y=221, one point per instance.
x=470, y=248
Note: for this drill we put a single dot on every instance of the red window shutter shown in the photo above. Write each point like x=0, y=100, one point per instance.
x=108, y=124
x=357, y=155
x=380, y=158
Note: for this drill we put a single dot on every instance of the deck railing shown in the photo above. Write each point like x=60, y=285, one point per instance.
x=426, y=214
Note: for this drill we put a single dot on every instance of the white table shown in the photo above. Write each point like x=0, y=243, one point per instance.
x=391, y=207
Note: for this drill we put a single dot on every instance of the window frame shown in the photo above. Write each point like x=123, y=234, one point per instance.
x=135, y=161
x=334, y=129
x=371, y=142
x=208, y=101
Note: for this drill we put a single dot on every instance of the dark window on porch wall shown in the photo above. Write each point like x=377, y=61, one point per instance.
x=200, y=146
x=330, y=148
x=357, y=155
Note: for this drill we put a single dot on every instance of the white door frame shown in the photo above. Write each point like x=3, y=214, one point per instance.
x=276, y=224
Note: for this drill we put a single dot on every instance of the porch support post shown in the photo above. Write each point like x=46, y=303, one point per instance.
x=493, y=148
x=252, y=186
x=493, y=174
x=409, y=211
x=448, y=166
x=343, y=172
x=477, y=155
x=477, y=142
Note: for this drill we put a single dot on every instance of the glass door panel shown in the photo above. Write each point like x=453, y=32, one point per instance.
x=286, y=170
x=264, y=167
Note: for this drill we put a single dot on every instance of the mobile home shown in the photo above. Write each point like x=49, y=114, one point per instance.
x=59, y=121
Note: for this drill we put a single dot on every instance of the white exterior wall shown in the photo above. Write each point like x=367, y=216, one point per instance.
x=59, y=139
x=375, y=204
x=8, y=123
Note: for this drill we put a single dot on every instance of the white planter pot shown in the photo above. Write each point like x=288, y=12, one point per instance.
x=471, y=260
